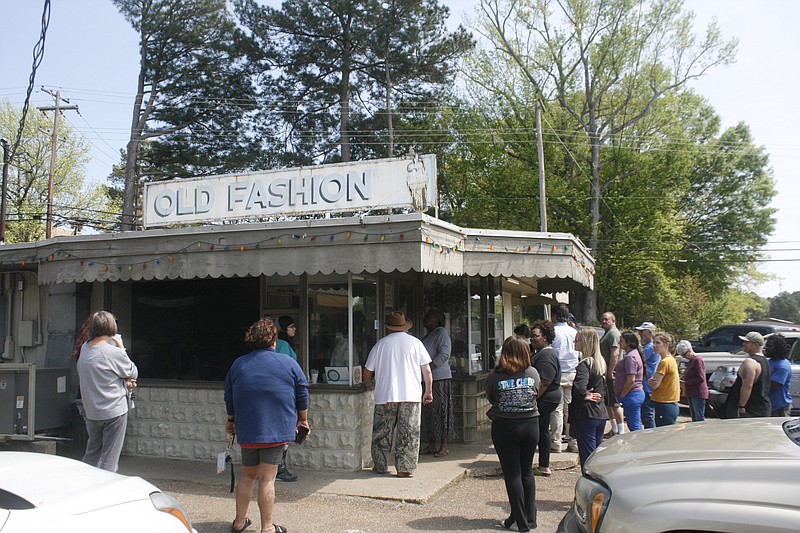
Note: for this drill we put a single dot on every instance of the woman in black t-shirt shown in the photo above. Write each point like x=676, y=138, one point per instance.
x=512, y=388
x=545, y=361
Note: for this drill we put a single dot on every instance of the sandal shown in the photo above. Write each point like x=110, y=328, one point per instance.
x=404, y=474
x=275, y=528
x=247, y=523
x=441, y=453
x=542, y=472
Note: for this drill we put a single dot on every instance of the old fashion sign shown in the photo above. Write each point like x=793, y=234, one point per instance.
x=361, y=185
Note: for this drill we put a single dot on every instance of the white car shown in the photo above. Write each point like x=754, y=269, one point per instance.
x=40, y=492
x=734, y=476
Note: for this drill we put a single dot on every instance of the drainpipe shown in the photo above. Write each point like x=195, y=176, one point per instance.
x=8, y=345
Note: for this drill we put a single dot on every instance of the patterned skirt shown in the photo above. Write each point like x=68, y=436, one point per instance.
x=438, y=415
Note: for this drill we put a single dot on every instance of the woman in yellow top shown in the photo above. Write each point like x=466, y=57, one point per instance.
x=665, y=382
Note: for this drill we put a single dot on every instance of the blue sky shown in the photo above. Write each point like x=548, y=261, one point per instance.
x=91, y=56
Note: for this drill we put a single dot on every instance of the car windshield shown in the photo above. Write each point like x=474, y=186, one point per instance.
x=13, y=502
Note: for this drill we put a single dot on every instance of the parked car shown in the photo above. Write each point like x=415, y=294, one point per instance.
x=726, y=338
x=40, y=492
x=711, y=360
x=737, y=476
x=724, y=376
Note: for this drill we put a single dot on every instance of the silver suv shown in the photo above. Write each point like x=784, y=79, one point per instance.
x=738, y=476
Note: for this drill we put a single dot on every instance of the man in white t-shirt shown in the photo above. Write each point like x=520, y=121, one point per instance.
x=564, y=345
x=399, y=363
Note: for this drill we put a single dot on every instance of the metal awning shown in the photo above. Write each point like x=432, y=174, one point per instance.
x=322, y=246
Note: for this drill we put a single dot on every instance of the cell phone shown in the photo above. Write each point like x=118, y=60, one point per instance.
x=302, y=433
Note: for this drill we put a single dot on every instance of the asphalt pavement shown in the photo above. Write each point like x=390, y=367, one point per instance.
x=463, y=491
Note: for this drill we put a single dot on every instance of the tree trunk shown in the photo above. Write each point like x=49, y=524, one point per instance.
x=138, y=121
x=389, y=123
x=129, y=195
x=590, y=308
x=345, y=94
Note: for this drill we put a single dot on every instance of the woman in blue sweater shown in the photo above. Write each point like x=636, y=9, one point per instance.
x=266, y=397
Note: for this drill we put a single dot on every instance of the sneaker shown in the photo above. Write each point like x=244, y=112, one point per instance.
x=555, y=447
x=285, y=475
x=572, y=447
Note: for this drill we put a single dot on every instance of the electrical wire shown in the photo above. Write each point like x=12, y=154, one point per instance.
x=38, y=56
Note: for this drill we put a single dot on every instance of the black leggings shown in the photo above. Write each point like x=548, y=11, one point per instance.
x=545, y=441
x=515, y=442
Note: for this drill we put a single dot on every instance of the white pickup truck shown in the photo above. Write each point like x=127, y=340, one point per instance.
x=713, y=361
x=723, y=369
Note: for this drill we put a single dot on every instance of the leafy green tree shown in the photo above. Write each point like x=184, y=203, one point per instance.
x=76, y=204
x=786, y=306
x=338, y=76
x=604, y=63
x=192, y=91
x=727, y=220
x=309, y=53
x=411, y=59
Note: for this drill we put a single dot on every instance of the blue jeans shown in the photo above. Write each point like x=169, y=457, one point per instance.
x=648, y=412
x=697, y=408
x=632, y=407
x=589, y=434
x=666, y=413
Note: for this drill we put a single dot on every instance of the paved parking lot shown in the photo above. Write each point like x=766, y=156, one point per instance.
x=471, y=504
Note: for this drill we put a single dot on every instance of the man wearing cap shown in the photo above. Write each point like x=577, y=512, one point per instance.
x=749, y=396
x=651, y=358
x=395, y=369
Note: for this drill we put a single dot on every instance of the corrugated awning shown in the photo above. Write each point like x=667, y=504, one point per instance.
x=369, y=244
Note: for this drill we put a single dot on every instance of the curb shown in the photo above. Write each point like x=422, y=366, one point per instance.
x=487, y=465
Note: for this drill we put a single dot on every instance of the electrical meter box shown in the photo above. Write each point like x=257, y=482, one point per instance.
x=32, y=400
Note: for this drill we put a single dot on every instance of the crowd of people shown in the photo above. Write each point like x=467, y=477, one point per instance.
x=621, y=378
x=555, y=387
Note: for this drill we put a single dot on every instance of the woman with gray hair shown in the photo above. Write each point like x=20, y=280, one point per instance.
x=694, y=381
x=106, y=373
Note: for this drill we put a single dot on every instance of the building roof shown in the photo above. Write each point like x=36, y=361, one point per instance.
x=556, y=262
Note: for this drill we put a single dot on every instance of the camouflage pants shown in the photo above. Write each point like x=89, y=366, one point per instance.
x=399, y=422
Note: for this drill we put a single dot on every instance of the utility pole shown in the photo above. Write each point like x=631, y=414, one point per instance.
x=57, y=108
x=542, y=192
x=6, y=161
x=540, y=149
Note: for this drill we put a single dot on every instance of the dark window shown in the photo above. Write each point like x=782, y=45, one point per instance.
x=191, y=329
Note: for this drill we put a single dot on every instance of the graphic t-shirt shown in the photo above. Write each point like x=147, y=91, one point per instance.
x=513, y=395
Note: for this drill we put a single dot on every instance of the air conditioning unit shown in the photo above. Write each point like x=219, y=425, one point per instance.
x=32, y=400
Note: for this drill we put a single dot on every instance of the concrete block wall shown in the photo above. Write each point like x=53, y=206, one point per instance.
x=189, y=423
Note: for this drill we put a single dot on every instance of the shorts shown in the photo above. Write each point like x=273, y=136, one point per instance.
x=257, y=456
x=611, y=397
